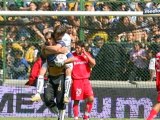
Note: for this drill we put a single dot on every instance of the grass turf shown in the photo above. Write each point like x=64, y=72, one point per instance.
x=20, y=118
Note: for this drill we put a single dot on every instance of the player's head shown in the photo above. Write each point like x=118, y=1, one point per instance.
x=79, y=46
x=59, y=32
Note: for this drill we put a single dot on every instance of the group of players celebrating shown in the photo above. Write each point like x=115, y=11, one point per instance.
x=63, y=70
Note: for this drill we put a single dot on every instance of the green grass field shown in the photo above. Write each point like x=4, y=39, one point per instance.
x=11, y=118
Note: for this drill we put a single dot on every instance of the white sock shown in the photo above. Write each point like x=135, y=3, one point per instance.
x=86, y=113
x=68, y=80
x=75, y=118
x=61, y=114
x=40, y=83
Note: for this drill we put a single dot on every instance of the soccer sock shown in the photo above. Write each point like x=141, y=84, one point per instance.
x=40, y=83
x=88, y=108
x=75, y=110
x=152, y=114
x=68, y=80
x=61, y=114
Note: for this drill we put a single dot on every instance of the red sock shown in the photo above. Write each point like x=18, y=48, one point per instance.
x=75, y=110
x=152, y=114
x=89, y=107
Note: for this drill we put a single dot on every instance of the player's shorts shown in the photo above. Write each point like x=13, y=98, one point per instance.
x=54, y=89
x=81, y=89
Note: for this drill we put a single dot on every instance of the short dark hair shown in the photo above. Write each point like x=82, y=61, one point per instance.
x=60, y=30
x=80, y=43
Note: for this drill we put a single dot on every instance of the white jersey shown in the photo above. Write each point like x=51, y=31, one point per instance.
x=67, y=40
x=152, y=63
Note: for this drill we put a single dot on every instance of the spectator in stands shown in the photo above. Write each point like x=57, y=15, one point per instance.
x=138, y=56
x=125, y=25
x=112, y=57
x=45, y=5
x=20, y=66
x=98, y=41
x=154, y=32
x=29, y=55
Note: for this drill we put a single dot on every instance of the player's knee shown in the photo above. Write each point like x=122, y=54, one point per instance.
x=48, y=101
x=76, y=102
x=90, y=99
x=49, y=104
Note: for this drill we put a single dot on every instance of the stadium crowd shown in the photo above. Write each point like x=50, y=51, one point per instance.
x=122, y=46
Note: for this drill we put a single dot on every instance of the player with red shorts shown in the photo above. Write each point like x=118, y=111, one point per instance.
x=156, y=107
x=81, y=88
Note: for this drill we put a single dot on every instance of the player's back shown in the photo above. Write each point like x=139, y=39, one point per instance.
x=67, y=40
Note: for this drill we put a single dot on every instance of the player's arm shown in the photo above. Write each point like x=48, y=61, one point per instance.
x=55, y=49
x=91, y=60
x=69, y=60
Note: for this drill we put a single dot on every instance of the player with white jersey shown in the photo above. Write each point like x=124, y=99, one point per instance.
x=67, y=40
x=51, y=59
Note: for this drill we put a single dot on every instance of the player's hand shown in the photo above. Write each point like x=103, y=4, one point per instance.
x=63, y=50
x=84, y=52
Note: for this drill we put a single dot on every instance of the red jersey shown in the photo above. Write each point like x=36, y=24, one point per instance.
x=158, y=71
x=35, y=72
x=81, y=68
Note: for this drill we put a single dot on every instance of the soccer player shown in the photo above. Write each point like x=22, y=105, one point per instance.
x=81, y=88
x=66, y=41
x=34, y=73
x=155, y=110
x=55, y=87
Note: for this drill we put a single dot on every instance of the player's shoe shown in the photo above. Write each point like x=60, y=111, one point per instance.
x=76, y=118
x=85, y=117
x=66, y=100
x=36, y=98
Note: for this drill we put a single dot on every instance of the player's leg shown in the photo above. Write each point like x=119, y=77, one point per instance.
x=60, y=96
x=75, y=109
x=88, y=107
x=154, y=112
x=49, y=97
x=155, y=109
x=76, y=95
x=88, y=95
x=40, y=83
x=68, y=81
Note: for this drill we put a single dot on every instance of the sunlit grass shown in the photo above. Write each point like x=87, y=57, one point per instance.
x=20, y=118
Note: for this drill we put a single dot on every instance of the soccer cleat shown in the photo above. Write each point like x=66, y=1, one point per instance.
x=76, y=118
x=85, y=117
x=36, y=98
x=66, y=100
